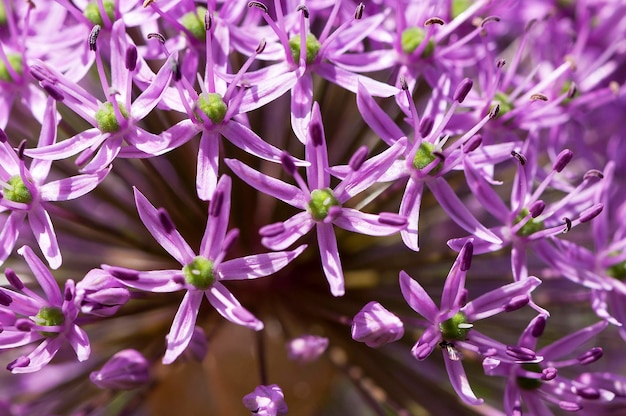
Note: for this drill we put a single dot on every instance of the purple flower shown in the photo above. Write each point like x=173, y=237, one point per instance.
x=266, y=401
x=306, y=348
x=26, y=195
x=28, y=317
x=201, y=274
x=321, y=205
x=451, y=324
x=126, y=370
x=376, y=326
x=98, y=293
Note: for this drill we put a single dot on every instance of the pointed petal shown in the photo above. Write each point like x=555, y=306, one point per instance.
x=571, y=342
x=9, y=233
x=182, y=328
x=417, y=298
x=410, y=208
x=301, y=103
x=267, y=91
x=105, y=155
x=217, y=223
x=226, y=305
x=368, y=224
x=41, y=355
x=350, y=81
x=68, y=147
x=172, y=241
x=43, y=276
x=494, y=302
x=80, y=342
x=42, y=228
x=316, y=153
x=158, y=281
x=295, y=227
x=151, y=96
x=206, y=172
x=39, y=168
x=251, y=267
x=376, y=118
x=330, y=258
x=247, y=140
x=73, y=187
x=459, y=381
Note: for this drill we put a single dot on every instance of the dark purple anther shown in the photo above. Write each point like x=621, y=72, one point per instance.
x=590, y=356
x=157, y=36
x=358, y=13
x=302, y=8
x=463, y=297
x=18, y=362
x=3, y=136
x=539, y=325
x=24, y=325
x=520, y=353
x=357, y=159
x=93, y=36
x=216, y=203
x=53, y=91
x=131, y=58
x=176, y=72
x=472, y=143
x=572, y=90
x=20, y=149
x=500, y=63
x=562, y=160
x=123, y=273
x=208, y=21
x=258, y=5
x=272, y=230
x=570, y=406
x=179, y=280
x=537, y=208
x=165, y=220
x=230, y=239
x=588, y=393
x=287, y=162
x=538, y=97
x=434, y=21
x=403, y=84
x=333, y=212
x=549, y=373
x=316, y=133
x=493, y=112
x=68, y=294
x=13, y=279
x=391, y=218
x=519, y=156
x=462, y=90
x=516, y=303
x=5, y=299
x=426, y=126
x=261, y=46
x=591, y=212
x=593, y=173
x=466, y=256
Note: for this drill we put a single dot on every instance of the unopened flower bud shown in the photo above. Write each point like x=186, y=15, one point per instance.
x=126, y=370
x=266, y=401
x=307, y=348
x=376, y=326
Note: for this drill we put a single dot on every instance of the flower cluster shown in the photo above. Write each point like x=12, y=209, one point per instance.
x=321, y=171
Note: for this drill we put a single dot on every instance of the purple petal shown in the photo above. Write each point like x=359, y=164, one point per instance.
x=316, y=153
x=376, y=118
x=9, y=233
x=40, y=168
x=350, y=81
x=183, y=325
x=417, y=298
x=368, y=224
x=217, y=223
x=41, y=225
x=105, y=155
x=426, y=343
x=458, y=211
x=459, y=381
x=485, y=193
x=294, y=228
x=208, y=159
x=410, y=208
x=268, y=185
x=494, y=302
x=68, y=147
x=73, y=187
x=172, y=242
x=158, y=281
x=455, y=282
x=41, y=355
x=570, y=343
x=301, y=103
x=151, y=96
x=330, y=258
x=259, y=265
x=267, y=91
x=247, y=140
x=80, y=342
x=226, y=305
x=43, y=276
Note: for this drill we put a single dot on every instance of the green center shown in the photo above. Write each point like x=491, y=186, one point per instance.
x=450, y=330
x=213, y=106
x=199, y=273
x=312, y=48
x=3, y=14
x=15, y=61
x=320, y=203
x=413, y=37
x=532, y=226
x=503, y=100
x=105, y=117
x=617, y=270
x=17, y=191
x=424, y=157
x=49, y=316
x=92, y=12
x=530, y=383
x=194, y=22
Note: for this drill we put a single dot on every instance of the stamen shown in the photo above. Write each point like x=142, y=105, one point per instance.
x=391, y=218
x=157, y=36
x=538, y=96
x=68, y=293
x=549, y=373
x=5, y=299
x=357, y=159
x=590, y=213
x=176, y=72
x=305, y=11
x=261, y=46
x=258, y=5
x=588, y=357
x=53, y=91
x=403, y=83
x=434, y=21
x=462, y=90
x=493, y=111
x=489, y=19
x=562, y=160
x=593, y=173
x=500, y=63
x=93, y=36
x=519, y=156
x=208, y=21
x=537, y=208
x=568, y=225
x=20, y=149
x=165, y=220
x=358, y=13
x=572, y=90
x=131, y=58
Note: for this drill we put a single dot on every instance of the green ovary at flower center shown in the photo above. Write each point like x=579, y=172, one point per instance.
x=412, y=38
x=199, y=273
x=105, y=117
x=321, y=202
x=213, y=105
x=455, y=328
x=194, y=22
x=530, y=227
x=312, y=48
x=530, y=383
x=618, y=270
x=16, y=191
x=49, y=316
x=424, y=157
x=92, y=12
x=15, y=61
x=504, y=102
